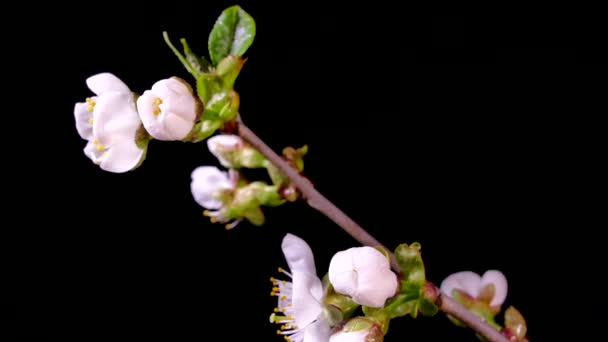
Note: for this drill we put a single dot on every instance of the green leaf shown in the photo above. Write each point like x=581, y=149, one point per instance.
x=410, y=262
x=232, y=34
x=207, y=85
x=202, y=130
x=228, y=69
x=179, y=55
x=200, y=64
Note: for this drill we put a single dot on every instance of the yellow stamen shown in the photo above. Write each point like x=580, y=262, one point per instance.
x=156, y=104
x=280, y=270
x=272, y=279
x=95, y=141
x=91, y=121
x=100, y=147
x=228, y=227
x=90, y=104
x=283, y=297
x=213, y=219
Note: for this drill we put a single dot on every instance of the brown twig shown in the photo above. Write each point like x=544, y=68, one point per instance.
x=322, y=204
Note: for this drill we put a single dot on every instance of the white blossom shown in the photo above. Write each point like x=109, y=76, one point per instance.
x=213, y=189
x=364, y=274
x=110, y=123
x=472, y=284
x=299, y=308
x=168, y=110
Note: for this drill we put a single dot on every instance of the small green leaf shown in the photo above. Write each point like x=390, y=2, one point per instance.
x=207, y=85
x=202, y=130
x=179, y=55
x=228, y=69
x=410, y=262
x=427, y=308
x=200, y=64
x=232, y=34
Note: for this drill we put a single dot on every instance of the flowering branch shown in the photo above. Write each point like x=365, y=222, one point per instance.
x=319, y=202
x=118, y=124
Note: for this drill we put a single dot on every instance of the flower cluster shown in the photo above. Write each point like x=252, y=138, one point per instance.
x=308, y=310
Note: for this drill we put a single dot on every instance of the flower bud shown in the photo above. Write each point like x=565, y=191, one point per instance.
x=364, y=274
x=233, y=152
x=169, y=110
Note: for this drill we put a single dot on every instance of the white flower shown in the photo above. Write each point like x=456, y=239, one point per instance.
x=299, y=306
x=364, y=274
x=472, y=284
x=168, y=110
x=212, y=189
x=110, y=123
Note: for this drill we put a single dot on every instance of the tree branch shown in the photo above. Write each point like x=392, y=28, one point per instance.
x=322, y=204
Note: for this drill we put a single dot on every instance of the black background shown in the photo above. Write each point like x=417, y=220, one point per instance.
x=420, y=126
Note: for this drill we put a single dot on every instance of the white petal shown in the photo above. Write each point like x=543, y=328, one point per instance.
x=91, y=152
x=465, y=281
x=298, y=254
x=341, y=272
x=145, y=108
x=317, y=332
x=206, y=180
x=175, y=126
x=500, y=286
x=82, y=117
x=305, y=297
x=181, y=105
x=115, y=117
x=375, y=286
x=105, y=82
x=219, y=144
x=123, y=156
x=369, y=257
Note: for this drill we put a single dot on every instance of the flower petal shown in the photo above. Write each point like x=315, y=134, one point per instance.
x=298, y=254
x=465, y=281
x=91, y=152
x=82, y=117
x=375, y=286
x=115, y=117
x=145, y=108
x=123, y=156
x=369, y=257
x=318, y=331
x=341, y=272
x=306, y=295
x=206, y=180
x=224, y=141
x=500, y=286
x=176, y=127
x=105, y=82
